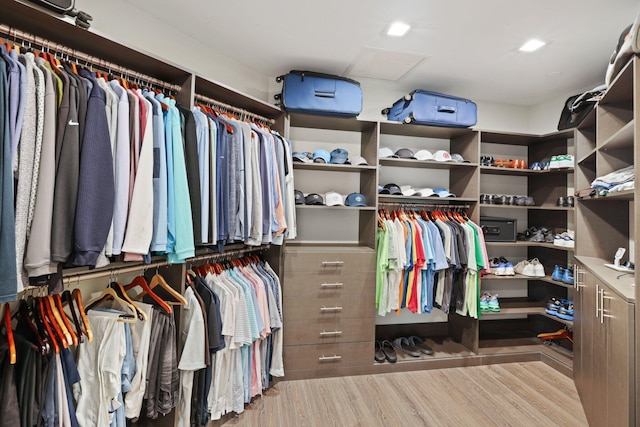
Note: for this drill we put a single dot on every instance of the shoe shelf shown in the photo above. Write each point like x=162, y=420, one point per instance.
x=332, y=167
x=493, y=170
x=619, y=195
x=529, y=244
x=426, y=164
x=546, y=279
x=543, y=207
x=520, y=308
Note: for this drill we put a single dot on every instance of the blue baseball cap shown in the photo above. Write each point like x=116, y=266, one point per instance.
x=339, y=156
x=355, y=199
x=321, y=156
x=443, y=192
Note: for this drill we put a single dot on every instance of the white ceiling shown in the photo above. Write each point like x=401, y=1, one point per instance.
x=471, y=46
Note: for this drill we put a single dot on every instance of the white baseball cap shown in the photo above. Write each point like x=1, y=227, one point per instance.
x=407, y=190
x=359, y=161
x=386, y=152
x=442, y=156
x=425, y=192
x=424, y=155
x=333, y=199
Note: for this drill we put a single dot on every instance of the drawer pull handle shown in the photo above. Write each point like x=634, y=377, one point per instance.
x=329, y=358
x=329, y=263
x=336, y=308
x=330, y=333
x=331, y=285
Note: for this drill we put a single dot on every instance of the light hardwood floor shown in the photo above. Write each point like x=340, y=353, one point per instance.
x=514, y=394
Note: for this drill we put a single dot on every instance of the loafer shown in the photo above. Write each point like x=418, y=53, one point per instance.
x=420, y=345
x=378, y=356
x=402, y=344
x=388, y=351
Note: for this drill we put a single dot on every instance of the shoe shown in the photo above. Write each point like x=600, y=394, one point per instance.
x=562, y=201
x=537, y=236
x=518, y=164
x=545, y=165
x=557, y=274
x=528, y=201
x=403, y=345
x=552, y=306
x=529, y=270
x=521, y=267
x=493, y=304
x=536, y=166
x=566, y=161
x=558, y=335
x=567, y=277
x=555, y=162
x=498, y=200
x=568, y=237
x=494, y=263
x=378, y=356
x=549, y=237
x=420, y=345
x=505, y=268
x=571, y=201
x=389, y=352
x=538, y=268
x=558, y=240
x=511, y=200
x=484, y=301
x=501, y=163
x=565, y=311
x=485, y=198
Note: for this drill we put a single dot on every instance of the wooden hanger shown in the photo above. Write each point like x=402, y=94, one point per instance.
x=66, y=299
x=57, y=301
x=158, y=280
x=58, y=318
x=108, y=294
x=117, y=286
x=43, y=318
x=77, y=299
x=24, y=314
x=141, y=282
x=57, y=328
x=6, y=322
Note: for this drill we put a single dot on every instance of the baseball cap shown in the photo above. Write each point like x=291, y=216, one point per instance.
x=299, y=197
x=355, y=199
x=339, y=156
x=333, y=199
x=391, y=189
x=321, y=156
x=359, y=161
x=407, y=190
x=424, y=155
x=442, y=156
x=304, y=157
x=458, y=158
x=313, y=199
x=425, y=192
x=385, y=152
x=443, y=192
x=405, y=153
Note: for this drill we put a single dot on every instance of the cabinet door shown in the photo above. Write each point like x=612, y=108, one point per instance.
x=617, y=318
x=598, y=389
x=584, y=300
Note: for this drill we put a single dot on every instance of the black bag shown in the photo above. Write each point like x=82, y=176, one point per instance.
x=65, y=7
x=577, y=107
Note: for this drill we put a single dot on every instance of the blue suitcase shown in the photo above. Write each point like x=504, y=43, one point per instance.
x=433, y=108
x=317, y=93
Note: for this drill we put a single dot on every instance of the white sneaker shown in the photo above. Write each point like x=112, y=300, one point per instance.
x=567, y=240
x=566, y=161
x=538, y=268
x=555, y=162
x=558, y=240
x=529, y=270
x=519, y=268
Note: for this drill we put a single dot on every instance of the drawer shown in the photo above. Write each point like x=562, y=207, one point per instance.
x=327, y=356
x=329, y=307
x=330, y=261
x=318, y=286
x=329, y=331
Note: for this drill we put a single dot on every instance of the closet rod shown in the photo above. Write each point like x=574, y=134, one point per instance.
x=427, y=206
x=77, y=277
x=240, y=111
x=12, y=34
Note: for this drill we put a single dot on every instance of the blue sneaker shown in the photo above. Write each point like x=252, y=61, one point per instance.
x=552, y=307
x=567, y=277
x=536, y=166
x=557, y=274
x=565, y=311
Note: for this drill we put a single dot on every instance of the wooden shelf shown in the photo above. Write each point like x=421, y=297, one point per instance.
x=588, y=159
x=528, y=244
x=332, y=167
x=385, y=198
x=329, y=122
x=223, y=93
x=546, y=279
x=519, y=309
x=426, y=164
x=542, y=208
x=493, y=170
x=620, y=91
x=511, y=138
x=402, y=129
x=622, y=139
x=619, y=195
x=351, y=208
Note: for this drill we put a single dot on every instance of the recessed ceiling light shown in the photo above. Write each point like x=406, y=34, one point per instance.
x=398, y=29
x=532, y=45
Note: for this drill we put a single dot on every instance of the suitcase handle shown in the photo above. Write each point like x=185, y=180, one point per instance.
x=445, y=109
x=322, y=94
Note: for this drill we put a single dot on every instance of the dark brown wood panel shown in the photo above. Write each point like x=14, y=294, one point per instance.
x=301, y=284
x=305, y=308
x=327, y=356
x=325, y=331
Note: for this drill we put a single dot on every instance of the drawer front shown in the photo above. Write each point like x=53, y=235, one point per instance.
x=329, y=262
x=327, y=356
x=329, y=331
x=329, y=307
x=322, y=285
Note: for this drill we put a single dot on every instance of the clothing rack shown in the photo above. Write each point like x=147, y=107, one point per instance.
x=115, y=271
x=32, y=41
x=421, y=206
x=230, y=108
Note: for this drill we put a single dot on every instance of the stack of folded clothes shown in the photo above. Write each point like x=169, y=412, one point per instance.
x=620, y=180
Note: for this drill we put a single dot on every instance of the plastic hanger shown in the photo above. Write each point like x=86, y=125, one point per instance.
x=141, y=282
x=77, y=299
x=6, y=322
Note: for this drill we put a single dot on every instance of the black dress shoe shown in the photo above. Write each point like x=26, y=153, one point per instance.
x=499, y=200
x=402, y=344
x=420, y=345
x=378, y=356
x=389, y=352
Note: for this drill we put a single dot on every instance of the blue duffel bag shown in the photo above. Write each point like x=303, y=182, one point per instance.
x=316, y=93
x=432, y=108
